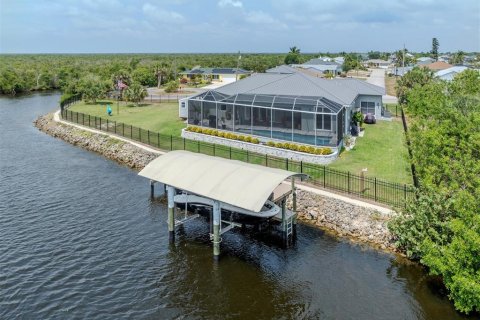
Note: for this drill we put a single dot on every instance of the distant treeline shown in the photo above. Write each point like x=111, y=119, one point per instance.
x=29, y=72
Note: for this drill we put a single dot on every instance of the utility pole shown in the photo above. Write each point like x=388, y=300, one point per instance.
x=238, y=66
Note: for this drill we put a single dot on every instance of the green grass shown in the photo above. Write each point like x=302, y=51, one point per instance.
x=158, y=117
x=382, y=151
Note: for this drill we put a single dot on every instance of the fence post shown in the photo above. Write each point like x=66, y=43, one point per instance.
x=286, y=163
x=248, y=159
x=131, y=132
x=198, y=147
x=171, y=142
x=123, y=129
x=214, y=150
x=148, y=136
x=115, y=126
x=405, y=193
x=324, y=174
x=89, y=121
x=140, y=134
x=100, y=124
x=301, y=166
x=107, y=125
x=83, y=119
x=158, y=139
x=266, y=160
x=183, y=143
x=375, y=181
x=348, y=182
x=230, y=153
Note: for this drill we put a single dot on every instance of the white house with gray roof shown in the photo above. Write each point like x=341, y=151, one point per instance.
x=286, y=107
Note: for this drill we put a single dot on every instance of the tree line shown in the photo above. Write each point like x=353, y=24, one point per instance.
x=441, y=227
x=24, y=73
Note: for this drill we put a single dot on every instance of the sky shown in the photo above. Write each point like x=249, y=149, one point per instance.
x=154, y=26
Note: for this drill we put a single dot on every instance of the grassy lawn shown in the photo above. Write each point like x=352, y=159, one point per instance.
x=390, y=83
x=382, y=151
x=158, y=117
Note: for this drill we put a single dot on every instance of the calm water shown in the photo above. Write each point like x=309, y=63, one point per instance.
x=80, y=238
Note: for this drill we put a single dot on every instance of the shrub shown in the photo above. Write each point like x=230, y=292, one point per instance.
x=255, y=140
x=248, y=139
x=240, y=138
x=221, y=134
x=279, y=145
x=292, y=146
x=271, y=144
x=318, y=151
x=327, y=151
x=302, y=148
x=234, y=136
x=310, y=149
x=183, y=80
x=214, y=132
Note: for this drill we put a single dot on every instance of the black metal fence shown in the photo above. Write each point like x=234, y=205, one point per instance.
x=165, y=97
x=378, y=190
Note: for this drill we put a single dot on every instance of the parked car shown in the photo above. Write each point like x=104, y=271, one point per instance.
x=370, y=118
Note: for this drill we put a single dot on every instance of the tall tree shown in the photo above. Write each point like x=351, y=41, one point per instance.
x=435, y=45
x=457, y=57
x=294, y=49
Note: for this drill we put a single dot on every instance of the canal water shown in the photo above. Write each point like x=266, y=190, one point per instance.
x=80, y=238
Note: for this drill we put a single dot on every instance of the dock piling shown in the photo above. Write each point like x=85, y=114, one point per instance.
x=152, y=189
x=171, y=213
x=216, y=229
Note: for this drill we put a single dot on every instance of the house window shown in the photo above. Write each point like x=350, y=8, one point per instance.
x=368, y=107
x=215, y=76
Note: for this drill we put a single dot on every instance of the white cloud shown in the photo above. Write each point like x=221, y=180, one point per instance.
x=160, y=15
x=260, y=17
x=232, y=3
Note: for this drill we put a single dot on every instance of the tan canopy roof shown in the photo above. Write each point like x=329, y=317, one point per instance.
x=240, y=184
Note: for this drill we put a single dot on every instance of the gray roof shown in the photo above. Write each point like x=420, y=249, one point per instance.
x=340, y=90
x=283, y=69
x=215, y=71
x=321, y=62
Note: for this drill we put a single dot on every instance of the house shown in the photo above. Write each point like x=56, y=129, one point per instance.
x=401, y=71
x=449, y=73
x=424, y=61
x=284, y=69
x=215, y=74
x=286, y=107
x=321, y=65
x=376, y=63
x=438, y=65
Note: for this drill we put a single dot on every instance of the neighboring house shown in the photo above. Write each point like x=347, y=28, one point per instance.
x=438, y=65
x=444, y=58
x=339, y=60
x=376, y=63
x=216, y=74
x=286, y=107
x=284, y=69
x=424, y=61
x=401, y=71
x=321, y=65
x=450, y=73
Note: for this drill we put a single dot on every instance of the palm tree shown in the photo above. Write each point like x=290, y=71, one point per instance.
x=161, y=71
x=295, y=50
x=135, y=93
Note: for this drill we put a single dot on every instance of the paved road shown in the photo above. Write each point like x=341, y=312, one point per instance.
x=377, y=77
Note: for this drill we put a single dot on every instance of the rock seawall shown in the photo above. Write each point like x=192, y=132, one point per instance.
x=111, y=148
x=344, y=219
x=337, y=216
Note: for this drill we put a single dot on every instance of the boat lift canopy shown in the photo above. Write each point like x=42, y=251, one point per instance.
x=237, y=183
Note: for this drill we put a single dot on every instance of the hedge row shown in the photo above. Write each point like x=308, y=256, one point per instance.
x=280, y=145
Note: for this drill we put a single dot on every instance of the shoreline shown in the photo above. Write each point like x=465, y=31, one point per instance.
x=350, y=220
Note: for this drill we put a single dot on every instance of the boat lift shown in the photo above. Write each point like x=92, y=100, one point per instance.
x=231, y=185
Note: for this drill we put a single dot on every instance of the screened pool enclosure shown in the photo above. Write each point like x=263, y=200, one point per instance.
x=307, y=120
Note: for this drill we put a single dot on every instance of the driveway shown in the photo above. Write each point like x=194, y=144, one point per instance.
x=377, y=77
